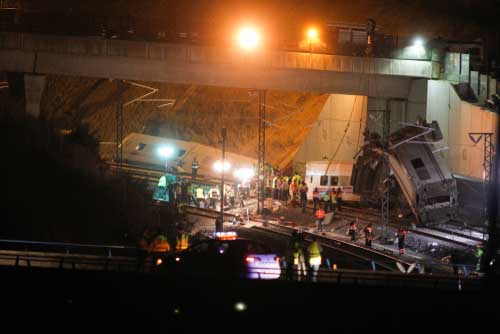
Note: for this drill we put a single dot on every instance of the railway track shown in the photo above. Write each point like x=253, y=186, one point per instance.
x=360, y=253
x=365, y=214
x=372, y=217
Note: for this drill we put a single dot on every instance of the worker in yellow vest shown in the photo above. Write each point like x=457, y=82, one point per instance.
x=314, y=254
x=182, y=241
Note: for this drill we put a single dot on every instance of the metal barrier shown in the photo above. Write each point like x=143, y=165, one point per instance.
x=64, y=260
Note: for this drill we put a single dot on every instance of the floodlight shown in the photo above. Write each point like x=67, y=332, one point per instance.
x=248, y=38
x=218, y=166
x=166, y=151
x=244, y=173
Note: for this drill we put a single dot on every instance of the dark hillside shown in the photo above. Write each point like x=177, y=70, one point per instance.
x=60, y=191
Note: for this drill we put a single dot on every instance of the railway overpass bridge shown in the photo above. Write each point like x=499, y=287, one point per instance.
x=207, y=65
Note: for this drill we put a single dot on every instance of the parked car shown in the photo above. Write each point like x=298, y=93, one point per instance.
x=225, y=256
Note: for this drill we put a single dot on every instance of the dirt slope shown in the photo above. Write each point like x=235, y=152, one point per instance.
x=198, y=114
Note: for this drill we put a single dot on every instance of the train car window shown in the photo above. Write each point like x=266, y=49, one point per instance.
x=419, y=167
x=438, y=199
x=323, y=180
x=180, y=153
x=334, y=180
x=140, y=147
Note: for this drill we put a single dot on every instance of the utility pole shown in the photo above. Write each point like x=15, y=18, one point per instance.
x=224, y=135
x=386, y=130
x=262, y=148
x=476, y=137
x=119, y=133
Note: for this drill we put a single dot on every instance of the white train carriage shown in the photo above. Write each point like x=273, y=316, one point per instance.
x=338, y=175
x=156, y=152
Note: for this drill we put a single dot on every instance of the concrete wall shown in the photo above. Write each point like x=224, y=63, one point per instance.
x=191, y=64
x=327, y=132
x=457, y=118
x=407, y=110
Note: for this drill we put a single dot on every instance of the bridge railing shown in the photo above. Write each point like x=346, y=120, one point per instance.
x=198, y=55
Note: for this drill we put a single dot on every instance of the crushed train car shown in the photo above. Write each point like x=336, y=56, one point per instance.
x=423, y=177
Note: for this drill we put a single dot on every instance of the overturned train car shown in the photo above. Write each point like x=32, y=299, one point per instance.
x=424, y=180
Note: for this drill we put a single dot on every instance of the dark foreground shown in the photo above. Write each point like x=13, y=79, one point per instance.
x=97, y=301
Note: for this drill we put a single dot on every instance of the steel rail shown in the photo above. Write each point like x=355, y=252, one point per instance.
x=347, y=248
x=376, y=220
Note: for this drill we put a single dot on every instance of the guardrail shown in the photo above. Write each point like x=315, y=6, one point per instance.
x=65, y=260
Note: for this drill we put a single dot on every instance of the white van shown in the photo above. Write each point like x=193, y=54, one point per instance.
x=339, y=175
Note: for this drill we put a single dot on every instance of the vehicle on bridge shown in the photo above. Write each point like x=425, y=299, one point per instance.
x=225, y=255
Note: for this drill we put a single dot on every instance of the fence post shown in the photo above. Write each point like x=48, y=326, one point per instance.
x=374, y=268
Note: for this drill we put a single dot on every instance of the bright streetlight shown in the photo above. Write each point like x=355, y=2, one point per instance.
x=312, y=34
x=248, y=38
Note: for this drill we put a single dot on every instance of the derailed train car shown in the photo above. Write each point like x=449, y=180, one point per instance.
x=423, y=178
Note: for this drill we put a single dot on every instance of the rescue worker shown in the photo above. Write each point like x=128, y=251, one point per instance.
x=178, y=193
x=232, y=195
x=182, y=240
x=314, y=254
x=326, y=200
x=368, y=235
x=339, y=198
x=352, y=230
x=478, y=253
x=241, y=196
x=297, y=178
x=159, y=247
x=194, y=168
x=200, y=196
x=315, y=199
x=290, y=256
x=303, y=196
x=284, y=189
x=333, y=200
x=275, y=187
x=294, y=189
x=219, y=224
x=162, y=186
x=160, y=244
x=401, y=240
x=320, y=217
x=267, y=187
x=299, y=259
x=213, y=196
x=143, y=249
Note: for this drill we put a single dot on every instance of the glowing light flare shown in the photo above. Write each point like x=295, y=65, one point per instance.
x=249, y=38
x=159, y=261
x=312, y=34
x=240, y=306
x=244, y=174
x=166, y=151
x=418, y=42
x=219, y=166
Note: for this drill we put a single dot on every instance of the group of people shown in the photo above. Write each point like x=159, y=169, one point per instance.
x=155, y=245
x=368, y=233
x=302, y=262
x=234, y=195
x=331, y=200
x=285, y=188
